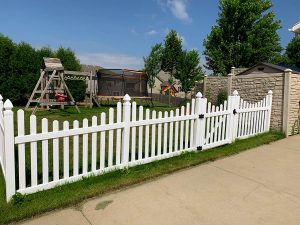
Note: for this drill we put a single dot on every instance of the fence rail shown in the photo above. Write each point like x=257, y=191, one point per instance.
x=66, y=152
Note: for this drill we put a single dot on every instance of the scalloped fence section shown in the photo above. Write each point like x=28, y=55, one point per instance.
x=49, y=154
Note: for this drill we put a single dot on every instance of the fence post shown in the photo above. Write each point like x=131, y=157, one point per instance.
x=126, y=130
x=199, y=129
x=269, y=104
x=233, y=106
x=9, y=150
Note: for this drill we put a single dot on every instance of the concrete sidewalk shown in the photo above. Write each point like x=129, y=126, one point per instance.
x=259, y=186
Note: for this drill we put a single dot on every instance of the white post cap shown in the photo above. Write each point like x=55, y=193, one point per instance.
x=235, y=93
x=1, y=98
x=8, y=105
x=126, y=98
x=270, y=92
x=199, y=95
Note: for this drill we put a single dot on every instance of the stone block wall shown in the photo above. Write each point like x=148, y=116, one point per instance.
x=294, y=103
x=253, y=88
x=213, y=85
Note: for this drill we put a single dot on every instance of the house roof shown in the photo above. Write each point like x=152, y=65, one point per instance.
x=296, y=28
x=278, y=67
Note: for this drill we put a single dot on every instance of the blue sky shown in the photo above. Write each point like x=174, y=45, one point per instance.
x=118, y=33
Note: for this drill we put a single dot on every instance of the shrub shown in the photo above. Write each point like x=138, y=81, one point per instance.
x=222, y=97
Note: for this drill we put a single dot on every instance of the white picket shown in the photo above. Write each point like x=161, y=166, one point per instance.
x=118, y=141
x=225, y=119
x=176, y=131
x=66, y=150
x=212, y=125
x=55, y=127
x=141, y=112
x=171, y=133
x=75, y=150
x=21, y=150
x=159, y=135
x=94, y=145
x=153, y=135
x=147, y=134
x=165, y=134
x=111, y=138
x=181, y=129
x=208, y=125
x=85, y=148
x=45, y=159
x=133, y=132
x=186, y=139
x=102, y=142
x=33, y=152
x=192, y=124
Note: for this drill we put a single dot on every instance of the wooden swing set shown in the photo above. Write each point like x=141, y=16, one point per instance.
x=52, y=90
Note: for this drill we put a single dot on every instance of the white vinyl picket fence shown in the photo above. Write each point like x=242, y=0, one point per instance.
x=61, y=153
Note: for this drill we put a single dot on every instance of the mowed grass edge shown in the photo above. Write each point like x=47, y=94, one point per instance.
x=74, y=193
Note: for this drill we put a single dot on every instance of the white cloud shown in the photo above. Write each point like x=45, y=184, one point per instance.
x=111, y=61
x=152, y=32
x=177, y=7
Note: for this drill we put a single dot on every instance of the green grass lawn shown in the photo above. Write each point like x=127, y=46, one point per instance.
x=71, y=194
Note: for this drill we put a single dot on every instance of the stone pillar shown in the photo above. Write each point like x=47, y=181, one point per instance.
x=229, y=83
x=204, y=85
x=286, y=101
x=232, y=71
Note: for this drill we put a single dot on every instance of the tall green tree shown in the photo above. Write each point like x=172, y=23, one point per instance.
x=70, y=62
x=293, y=52
x=152, y=64
x=7, y=48
x=188, y=70
x=245, y=34
x=24, y=74
x=171, y=52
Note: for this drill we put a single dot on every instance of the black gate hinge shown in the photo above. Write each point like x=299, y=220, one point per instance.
x=234, y=112
x=199, y=148
x=201, y=116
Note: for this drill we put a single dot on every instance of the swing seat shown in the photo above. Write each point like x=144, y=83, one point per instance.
x=60, y=97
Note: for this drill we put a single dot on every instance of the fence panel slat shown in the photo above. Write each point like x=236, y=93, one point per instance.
x=153, y=135
x=33, y=152
x=55, y=152
x=225, y=119
x=141, y=113
x=147, y=134
x=176, y=131
x=165, y=134
x=186, y=139
x=192, y=124
x=208, y=128
x=133, y=132
x=45, y=156
x=75, y=150
x=102, y=142
x=181, y=130
x=118, y=141
x=85, y=145
x=159, y=135
x=94, y=145
x=21, y=150
x=66, y=150
x=171, y=133
x=111, y=138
